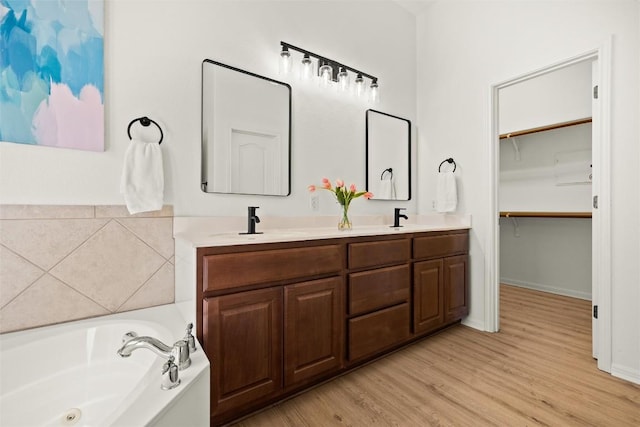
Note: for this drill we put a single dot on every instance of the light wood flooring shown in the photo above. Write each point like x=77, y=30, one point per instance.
x=537, y=370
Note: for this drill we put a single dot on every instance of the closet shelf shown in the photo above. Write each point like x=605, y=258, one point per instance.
x=545, y=128
x=521, y=214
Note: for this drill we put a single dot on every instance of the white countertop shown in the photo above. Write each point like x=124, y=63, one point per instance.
x=224, y=231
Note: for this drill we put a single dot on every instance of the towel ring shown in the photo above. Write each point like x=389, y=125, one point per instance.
x=145, y=121
x=449, y=160
x=390, y=170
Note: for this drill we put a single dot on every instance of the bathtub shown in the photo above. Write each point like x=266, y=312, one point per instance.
x=70, y=375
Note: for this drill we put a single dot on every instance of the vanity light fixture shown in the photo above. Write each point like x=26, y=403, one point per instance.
x=359, y=84
x=285, y=60
x=306, y=72
x=375, y=92
x=329, y=72
x=343, y=79
x=326, y=74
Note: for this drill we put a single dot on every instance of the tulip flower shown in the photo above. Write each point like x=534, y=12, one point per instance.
x=343, y=196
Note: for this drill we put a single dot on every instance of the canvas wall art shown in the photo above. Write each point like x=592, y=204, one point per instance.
x=52, y=73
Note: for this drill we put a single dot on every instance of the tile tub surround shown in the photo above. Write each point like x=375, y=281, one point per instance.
x=62, y=263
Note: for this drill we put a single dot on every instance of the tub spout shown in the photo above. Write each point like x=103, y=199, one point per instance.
x=179, y=351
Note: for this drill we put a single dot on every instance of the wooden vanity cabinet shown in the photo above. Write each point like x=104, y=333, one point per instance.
x=428, y=296
x=243, y=339
x=262, y=343
x=456, y=299
x=379, y=313
x=313, y=330
x=276, y=318
x=379, y=309
x=440, y=294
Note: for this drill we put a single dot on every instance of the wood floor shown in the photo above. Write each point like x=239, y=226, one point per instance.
x=537, y=371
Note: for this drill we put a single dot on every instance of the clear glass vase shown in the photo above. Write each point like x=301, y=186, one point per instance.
x=345, y=222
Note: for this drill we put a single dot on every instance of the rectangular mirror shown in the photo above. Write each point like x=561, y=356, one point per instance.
x=246, y=132
x=388, y=145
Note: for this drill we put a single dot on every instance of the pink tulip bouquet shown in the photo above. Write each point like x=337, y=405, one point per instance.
x=343, y=196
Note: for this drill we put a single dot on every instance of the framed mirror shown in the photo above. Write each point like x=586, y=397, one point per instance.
x=388, y=147
x=246, y=132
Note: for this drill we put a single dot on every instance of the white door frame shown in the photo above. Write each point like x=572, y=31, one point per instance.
x=602, y=187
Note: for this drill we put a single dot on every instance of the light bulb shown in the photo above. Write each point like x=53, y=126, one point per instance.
x=285, y=61
x=307, y=68
x=359, y=84
x=375, y=92
x=343, y=79
x=325, y=75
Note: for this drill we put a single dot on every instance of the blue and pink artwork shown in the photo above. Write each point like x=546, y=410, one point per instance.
x=52, y=73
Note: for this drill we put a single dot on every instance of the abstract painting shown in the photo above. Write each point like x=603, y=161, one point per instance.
x=52, y=73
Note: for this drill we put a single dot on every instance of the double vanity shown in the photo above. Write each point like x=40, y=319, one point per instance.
x=281, y=311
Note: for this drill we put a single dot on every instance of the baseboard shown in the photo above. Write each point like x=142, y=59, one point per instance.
x=625, y=373
x=545, y=288
x=473, y=323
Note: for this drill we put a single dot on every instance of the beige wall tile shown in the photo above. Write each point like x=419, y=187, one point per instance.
x=110, y=266
x=100, y=264
x=16, y=274
x=46, y=211
x=157, y=291
x=156, y=232
x=120, y=211
x=45, y=302
x=46, y=242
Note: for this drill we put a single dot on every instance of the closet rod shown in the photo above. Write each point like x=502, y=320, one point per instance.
x=520, y=214
x=545, y=128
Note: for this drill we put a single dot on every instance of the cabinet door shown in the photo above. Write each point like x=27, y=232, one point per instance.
x=428, y=296
x=455, y=288
x=243, y=339
x=313, y=329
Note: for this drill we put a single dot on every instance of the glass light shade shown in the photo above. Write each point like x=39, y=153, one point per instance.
x=359, y=84
x=306, y=71
x=343, y=80
x=375, y=92
x=325, y=75
x=285, y=61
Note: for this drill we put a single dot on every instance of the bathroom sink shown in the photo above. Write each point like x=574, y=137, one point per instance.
x=266, y=235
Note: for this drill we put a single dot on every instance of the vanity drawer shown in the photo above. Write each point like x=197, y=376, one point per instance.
x=370, y=254
x=441, y=245
x=372, y=290
x=234, y=270
x=372, y=333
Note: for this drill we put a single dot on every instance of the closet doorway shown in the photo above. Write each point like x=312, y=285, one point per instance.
x=550, y=169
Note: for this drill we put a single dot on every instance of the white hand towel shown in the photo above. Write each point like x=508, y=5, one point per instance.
x=143, y=177
x=387, y=189
x=447, y=194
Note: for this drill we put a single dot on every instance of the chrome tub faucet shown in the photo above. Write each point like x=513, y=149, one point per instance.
x=179, y=351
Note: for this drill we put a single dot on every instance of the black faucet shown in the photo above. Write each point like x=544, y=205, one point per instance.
x=252, y=221
x=396, y=217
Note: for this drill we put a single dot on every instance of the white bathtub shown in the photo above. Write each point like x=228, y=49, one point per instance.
x=70, y=375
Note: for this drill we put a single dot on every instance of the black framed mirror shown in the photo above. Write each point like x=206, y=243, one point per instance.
x=388, y=156
x=246, y=132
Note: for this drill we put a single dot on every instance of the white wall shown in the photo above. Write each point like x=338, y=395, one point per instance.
x=569, y=85
x=153, y=55
x=535, y=182
x=492, y=42
x=547, y=254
